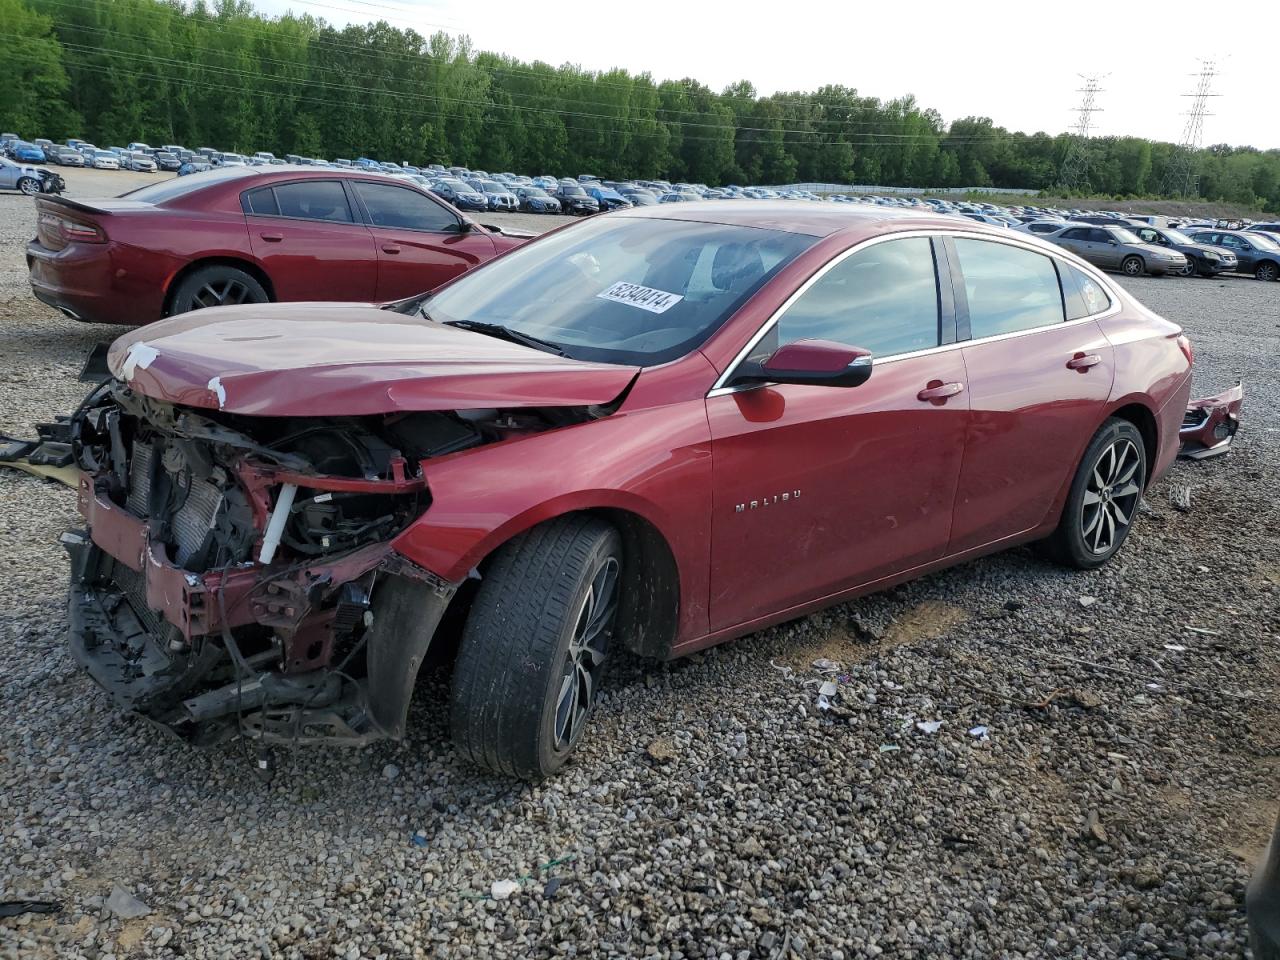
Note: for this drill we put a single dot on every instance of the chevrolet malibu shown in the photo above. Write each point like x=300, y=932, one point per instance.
x=249, y=235
x=655, y=430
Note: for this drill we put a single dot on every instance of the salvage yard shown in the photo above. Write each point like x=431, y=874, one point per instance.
x=1020, y=761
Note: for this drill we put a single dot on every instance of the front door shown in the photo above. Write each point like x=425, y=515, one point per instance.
x=418, y=240
x=821, y=489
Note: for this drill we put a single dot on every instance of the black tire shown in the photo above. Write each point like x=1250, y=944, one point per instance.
x=29, y=186
x=217, y=285
x=1266, y=271
x=1081, y=539
x=516, y=681
x=1132, y=266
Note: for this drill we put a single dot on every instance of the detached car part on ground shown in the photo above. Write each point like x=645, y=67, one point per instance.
x=662, y=431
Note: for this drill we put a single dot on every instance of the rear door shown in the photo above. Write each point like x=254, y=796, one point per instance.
x=419, y=241
x=307, y=237
x=1039, y=375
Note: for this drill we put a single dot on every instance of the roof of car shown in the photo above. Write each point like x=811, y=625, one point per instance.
x=796, y=216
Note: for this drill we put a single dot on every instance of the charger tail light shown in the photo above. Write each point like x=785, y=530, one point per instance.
x=1185, y=346
x=56, y=231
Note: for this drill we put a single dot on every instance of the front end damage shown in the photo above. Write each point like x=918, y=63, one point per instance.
x=235, y=573
x=1210, y=424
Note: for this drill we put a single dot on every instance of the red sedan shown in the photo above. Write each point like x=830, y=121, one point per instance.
x=244, y=235
x=660, y=429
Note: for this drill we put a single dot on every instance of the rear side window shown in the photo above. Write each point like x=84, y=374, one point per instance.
x=1083, y=295
x=883, y=299
x=1078, y=233
x=403, y=209
x=262, y=202
x=1008, y=288
x=314, y=200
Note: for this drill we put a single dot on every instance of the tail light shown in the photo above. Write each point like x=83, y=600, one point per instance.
x=69, y=231
x=1185, y=346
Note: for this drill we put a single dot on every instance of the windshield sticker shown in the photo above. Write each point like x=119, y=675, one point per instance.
x=646, y=298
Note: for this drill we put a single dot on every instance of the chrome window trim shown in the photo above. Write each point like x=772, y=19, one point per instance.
x=719, y=389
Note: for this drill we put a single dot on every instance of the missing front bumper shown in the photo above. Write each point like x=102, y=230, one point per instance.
x=1210, y=424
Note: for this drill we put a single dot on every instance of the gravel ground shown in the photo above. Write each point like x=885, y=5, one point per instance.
x=713, y=811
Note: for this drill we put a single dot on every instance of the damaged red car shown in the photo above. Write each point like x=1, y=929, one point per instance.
x=656, y=430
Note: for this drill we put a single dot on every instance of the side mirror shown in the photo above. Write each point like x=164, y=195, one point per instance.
x=819, y=363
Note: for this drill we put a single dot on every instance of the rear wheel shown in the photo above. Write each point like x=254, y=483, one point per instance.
x=535, y=645
x=1103, y=499
x=1265, y=271
x=217, y=286
x=29, y=185
x=1132, y=266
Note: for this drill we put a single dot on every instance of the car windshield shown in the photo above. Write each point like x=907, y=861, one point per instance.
x=1177, y=236
x=1123, y=235
x=532, y=192
x=492, y=186
x=631, y=290
x=569, y=191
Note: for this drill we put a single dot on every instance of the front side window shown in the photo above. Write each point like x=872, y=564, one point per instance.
x=883, y=299
x=402, y=208
x=1008, y=289
x=632, y=290
x=314, y=200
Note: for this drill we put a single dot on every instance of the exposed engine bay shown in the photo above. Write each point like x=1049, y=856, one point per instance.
x=236, y=574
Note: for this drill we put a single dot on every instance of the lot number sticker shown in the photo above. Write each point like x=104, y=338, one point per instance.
x=646, y=298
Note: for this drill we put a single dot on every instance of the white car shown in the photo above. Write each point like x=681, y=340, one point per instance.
x=138, y=161
x=104, y=160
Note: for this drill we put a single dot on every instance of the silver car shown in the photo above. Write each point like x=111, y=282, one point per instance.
x=137, y=160
x=1117, y=248
x=27, y=178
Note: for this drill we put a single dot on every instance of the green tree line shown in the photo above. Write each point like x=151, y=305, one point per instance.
x=221, y=74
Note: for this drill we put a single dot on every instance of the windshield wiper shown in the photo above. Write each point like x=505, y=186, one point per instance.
x=507, y=333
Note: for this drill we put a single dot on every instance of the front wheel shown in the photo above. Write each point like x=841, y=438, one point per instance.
x=1132, y=266
x=1188, y=269
x=1103, y=499
x=29, y=185
x=535, y=645
x=1265, y=271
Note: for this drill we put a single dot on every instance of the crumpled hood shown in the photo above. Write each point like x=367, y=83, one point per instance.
x=346, y=359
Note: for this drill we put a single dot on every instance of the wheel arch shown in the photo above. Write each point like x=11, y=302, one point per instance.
x=1144, y=419
x=648, y=614
x=222, y=260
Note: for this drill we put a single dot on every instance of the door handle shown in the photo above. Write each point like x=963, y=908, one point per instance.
x=272, y=237
x=937, y=391
x=390, y=248
x=1083, y=361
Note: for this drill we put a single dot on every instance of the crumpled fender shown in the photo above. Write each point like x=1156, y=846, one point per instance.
x=1210, y=424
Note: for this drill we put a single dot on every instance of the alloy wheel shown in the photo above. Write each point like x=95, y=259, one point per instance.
x=1189, y=270
x=220, y=294
x=29, y=186
x=1266, y=271
x=1132, y=266
x=588, y=648
x=1111, y=496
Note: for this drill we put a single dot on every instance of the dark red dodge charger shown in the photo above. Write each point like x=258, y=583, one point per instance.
x=657, y=429
x=245, y=235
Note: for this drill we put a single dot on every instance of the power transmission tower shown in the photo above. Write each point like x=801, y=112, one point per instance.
x=1180, y=177
x=1074, y=174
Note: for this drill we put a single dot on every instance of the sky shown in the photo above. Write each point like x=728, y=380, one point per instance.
x=1018, y=63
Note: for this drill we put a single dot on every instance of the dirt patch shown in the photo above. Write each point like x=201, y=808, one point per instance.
x=853, y=640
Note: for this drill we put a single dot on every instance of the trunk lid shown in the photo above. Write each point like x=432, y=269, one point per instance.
x=345, y=359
